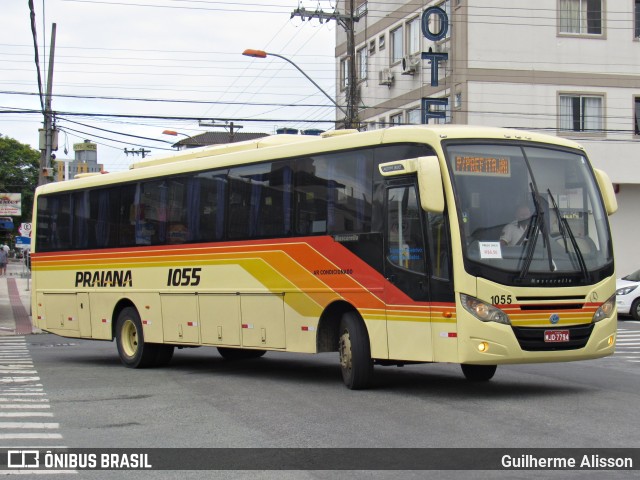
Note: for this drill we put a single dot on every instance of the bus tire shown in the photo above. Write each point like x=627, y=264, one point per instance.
x=479, y=373
x=355, y=352
x=239, y=353
x=133, y=351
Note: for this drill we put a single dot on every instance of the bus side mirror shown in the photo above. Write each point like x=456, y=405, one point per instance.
x=430, y=183
x=606, y=189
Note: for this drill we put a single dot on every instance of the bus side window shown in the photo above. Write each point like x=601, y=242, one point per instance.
x=239, y=195
x=438, y=245
x=405, y=241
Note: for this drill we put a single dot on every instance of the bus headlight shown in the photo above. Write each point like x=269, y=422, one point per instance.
x=483, y=311
x=605, y=310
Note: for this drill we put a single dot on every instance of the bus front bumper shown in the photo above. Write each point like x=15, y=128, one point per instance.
x=493, y=343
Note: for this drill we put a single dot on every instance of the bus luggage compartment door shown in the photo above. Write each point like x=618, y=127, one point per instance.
x=262, y=320
x=61, y=313
x=180, y=318
x=220, y=319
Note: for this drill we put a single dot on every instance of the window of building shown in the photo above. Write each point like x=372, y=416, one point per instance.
x=636, y=33
x=581, y=113
x=372, y=47
x=397, y=50
x=581, y=17
x=344, y=73
x=414, y=117
x=361, y=59
x=637, y=116
x=457, y=100
x=413, y=35
x=396, y=119
x=381, y=42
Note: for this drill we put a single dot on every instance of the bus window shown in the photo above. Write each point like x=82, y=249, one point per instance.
x=260, y=202
x=150, y=212
x=182, y=209
x=334, y=193
x=405, y=246
x=210, y=195
x=82, y=221
x=439, y=248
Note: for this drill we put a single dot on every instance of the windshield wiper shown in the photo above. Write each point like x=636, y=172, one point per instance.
x=536, y=226
x=565, y=230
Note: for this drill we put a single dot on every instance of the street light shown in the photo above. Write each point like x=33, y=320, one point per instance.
x=249, y=52
x=175, y=134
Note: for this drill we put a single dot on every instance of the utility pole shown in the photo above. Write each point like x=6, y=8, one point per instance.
x=140, y=151
x=49, y=133
x=229, y=126
x=347, y=22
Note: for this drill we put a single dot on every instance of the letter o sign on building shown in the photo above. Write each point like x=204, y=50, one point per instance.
x=444, y=23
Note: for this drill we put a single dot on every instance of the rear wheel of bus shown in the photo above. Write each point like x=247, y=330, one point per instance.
x=355, y=352
x=133, y=350
x=479, y=373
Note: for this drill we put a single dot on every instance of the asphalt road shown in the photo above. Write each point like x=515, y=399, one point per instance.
x=293, y=400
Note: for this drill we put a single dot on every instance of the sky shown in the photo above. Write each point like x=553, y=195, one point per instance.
x=116, y=61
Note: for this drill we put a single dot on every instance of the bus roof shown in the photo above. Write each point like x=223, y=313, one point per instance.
x=282, y=146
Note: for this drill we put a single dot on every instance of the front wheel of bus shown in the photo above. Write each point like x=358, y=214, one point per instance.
x=133, y=351
x=479, y=373
x=355, y=352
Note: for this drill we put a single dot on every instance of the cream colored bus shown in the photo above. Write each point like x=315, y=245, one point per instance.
x=390, y=247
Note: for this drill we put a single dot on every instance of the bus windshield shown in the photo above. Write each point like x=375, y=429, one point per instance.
x=528, y=211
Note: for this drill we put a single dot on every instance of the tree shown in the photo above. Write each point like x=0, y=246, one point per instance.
x=19, y=166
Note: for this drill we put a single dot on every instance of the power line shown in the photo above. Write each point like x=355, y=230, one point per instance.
x=167, y=100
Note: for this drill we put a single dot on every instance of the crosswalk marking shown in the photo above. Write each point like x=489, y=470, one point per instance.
x=14, y=425
x=25, y=414
x=25, y=410
x=627, y=345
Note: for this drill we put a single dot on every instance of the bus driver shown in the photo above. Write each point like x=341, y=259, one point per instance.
x=513, y=233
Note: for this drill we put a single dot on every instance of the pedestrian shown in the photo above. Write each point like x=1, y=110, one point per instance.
x=4, y=258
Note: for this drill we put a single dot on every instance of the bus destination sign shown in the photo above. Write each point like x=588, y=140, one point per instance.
x=482, y=165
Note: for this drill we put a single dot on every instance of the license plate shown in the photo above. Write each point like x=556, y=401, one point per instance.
x=556, y=336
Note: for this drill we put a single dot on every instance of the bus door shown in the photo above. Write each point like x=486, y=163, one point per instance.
x=407, y=286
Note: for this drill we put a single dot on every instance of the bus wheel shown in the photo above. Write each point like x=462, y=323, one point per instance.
x=355, y=353
x=479, y=373
x=133, y=351
x=239, y=353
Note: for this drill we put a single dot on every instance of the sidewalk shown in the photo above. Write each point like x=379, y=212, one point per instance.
x=15, y=300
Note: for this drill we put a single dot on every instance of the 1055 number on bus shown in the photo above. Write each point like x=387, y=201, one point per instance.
x=183, y=277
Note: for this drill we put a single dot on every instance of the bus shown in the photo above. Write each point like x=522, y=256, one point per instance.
x=387, y=246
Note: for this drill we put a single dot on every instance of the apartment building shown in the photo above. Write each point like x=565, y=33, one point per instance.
x=566, y=67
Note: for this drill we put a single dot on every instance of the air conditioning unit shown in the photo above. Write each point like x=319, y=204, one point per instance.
x=385, y=77
x=410, y=65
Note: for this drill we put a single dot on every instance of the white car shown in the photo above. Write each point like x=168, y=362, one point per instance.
x=628, y=295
